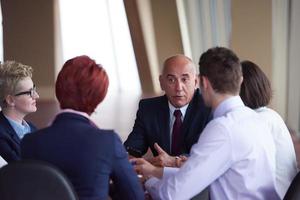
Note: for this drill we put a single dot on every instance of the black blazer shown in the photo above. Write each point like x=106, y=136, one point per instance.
x=9, y=140
x=152, y=125
x=89, y=156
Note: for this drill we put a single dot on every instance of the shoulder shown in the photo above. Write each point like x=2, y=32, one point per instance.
x=198, y=99
x=5, y=133
x=3, y=120
x=95, y=132
x=238, y=124
x=110, y=140
x=34, y=134
x=268, y=112
x=88, y=133
x=153, y=103
x=115, y=142
x=107, y=137
x=109, y=133
x=2, y=127
x=5, y=126
x=32, y=126
x=273, y=119
x=2, y=117
x=237, y=117
x=198, y=104
x=153, y=100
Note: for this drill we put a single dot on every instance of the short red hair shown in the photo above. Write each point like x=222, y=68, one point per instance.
x=81, y=84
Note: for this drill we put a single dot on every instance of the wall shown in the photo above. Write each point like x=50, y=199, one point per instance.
x=252, y=32
x=161, y=33
x=167, y=31
x=144, y=13
x=259, y=33
x=28, y=37
x=293, y=109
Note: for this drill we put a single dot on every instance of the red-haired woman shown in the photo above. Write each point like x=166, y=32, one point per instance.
x=89, y=156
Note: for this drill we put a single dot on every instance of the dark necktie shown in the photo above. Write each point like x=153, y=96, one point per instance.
x=176, y=133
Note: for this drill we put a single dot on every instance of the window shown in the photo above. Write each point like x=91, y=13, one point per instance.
x=99, y=29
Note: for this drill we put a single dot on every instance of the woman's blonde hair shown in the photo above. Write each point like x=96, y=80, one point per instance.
x=11, y=72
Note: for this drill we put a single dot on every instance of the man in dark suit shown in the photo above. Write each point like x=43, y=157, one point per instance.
x=155, y=121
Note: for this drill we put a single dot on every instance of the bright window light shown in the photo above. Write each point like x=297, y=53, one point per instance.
x=99, y=29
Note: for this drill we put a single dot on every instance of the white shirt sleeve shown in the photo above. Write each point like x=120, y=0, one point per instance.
x=168, y=171
x=210, y=157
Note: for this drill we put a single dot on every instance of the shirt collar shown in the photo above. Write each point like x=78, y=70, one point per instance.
x=68, y=110
x=260, y=109
x=20, y=129
x=182, y=109
x=227, y=105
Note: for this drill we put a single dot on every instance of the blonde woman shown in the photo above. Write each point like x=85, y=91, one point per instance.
x=17, y=99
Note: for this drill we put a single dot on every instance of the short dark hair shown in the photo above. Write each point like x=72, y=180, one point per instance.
x=81, y=84
x=222, y=68
x=256, y=89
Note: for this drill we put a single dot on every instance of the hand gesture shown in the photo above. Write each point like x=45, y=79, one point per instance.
x=146, y=169
x=163, y=159
x=179, y=161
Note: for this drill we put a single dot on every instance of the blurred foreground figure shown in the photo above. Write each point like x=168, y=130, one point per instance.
x=89, y=156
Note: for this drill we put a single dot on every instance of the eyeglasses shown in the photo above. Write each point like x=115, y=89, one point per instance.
x=30, y=92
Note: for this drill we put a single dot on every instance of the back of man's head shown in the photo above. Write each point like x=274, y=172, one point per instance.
x=222, y=68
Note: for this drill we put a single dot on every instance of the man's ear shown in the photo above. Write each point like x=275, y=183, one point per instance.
x=241, y=79
x=205, y=82
x=161, y=82
x=197, y=81
x=9, y=100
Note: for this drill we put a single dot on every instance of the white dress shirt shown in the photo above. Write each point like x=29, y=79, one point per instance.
x=286, y=163
x=235, y=155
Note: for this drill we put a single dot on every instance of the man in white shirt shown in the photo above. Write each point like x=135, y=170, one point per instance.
x=235, y=153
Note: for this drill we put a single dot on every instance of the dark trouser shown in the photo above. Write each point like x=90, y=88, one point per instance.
x=204, y=195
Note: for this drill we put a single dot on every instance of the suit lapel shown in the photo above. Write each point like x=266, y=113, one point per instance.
x=11, y=132
x=164, y=123
x=189, y=118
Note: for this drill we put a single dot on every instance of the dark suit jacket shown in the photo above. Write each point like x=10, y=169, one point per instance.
x=9, y=140
x=152, y=125
x=89, y=156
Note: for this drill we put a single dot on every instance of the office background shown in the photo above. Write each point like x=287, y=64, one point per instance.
x=264, y=31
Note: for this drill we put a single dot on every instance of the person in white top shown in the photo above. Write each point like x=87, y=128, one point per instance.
x=235, y=153
x=256, y=93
